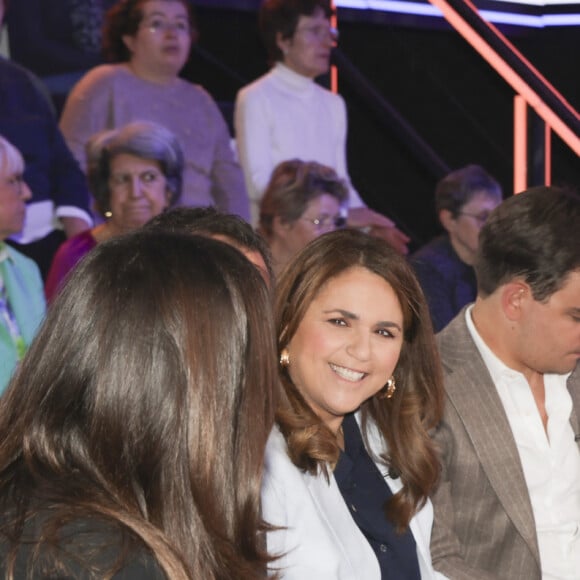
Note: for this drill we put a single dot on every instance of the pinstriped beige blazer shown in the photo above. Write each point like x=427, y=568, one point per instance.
x=484, y=525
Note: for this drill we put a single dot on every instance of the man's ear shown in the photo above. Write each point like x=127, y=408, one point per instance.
x=514, y=296
x=447, y=220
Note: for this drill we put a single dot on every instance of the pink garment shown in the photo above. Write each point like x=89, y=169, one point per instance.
x=65, y=260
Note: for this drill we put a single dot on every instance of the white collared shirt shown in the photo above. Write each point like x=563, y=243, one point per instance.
x=550, y=461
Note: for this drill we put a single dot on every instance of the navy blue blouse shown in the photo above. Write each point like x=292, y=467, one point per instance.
x=365, y=492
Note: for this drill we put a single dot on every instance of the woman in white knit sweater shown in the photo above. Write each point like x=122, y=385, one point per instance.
x=286, y=115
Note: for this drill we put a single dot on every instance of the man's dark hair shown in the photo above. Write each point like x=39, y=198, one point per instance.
x=535, y=236
x=459, y=187
x=209, y=221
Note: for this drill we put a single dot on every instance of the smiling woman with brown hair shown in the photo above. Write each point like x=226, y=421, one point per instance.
x=350, y=465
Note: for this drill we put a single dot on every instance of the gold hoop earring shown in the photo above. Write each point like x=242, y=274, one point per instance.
x=284, y=358
x=389, y=389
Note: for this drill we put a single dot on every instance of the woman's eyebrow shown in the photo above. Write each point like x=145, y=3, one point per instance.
x=351, y=316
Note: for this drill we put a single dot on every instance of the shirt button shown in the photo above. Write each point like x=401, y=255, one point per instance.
x=383, y=548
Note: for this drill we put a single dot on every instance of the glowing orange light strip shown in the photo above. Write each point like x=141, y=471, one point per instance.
x=520, y=144
x=509, y=75
x=548, y=155
x=333, y=69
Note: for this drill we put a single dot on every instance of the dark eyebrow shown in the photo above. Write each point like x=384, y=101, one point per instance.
x=352, y=316
x=157, y=13
x=345, y=313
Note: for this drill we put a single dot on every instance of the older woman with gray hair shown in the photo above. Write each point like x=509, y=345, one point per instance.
x=134, y=173
x=303, y=200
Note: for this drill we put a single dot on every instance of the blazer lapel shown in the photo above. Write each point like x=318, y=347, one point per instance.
x=473, y=394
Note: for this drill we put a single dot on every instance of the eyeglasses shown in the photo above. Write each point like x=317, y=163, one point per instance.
x=319, y=32
x=159, y=26
x=326, y=221
x=480, y=218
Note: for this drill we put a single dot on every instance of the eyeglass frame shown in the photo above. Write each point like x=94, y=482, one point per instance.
x=478, y=217
x=160, y=26
x=338, y=221
x=321, y=32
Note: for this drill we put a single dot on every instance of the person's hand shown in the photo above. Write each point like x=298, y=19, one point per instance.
x=393, y=236
x=379, y=226
x=362, y=217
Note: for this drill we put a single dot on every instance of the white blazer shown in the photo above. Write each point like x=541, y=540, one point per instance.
x=318, y=539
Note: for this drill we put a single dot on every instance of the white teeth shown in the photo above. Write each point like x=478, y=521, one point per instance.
x=347, y=374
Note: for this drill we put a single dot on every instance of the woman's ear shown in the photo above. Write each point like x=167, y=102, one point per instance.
x=283, y=43
x=279, y=227
x=129, y=42
x=168, y=196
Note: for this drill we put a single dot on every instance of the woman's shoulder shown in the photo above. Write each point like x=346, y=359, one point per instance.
x=102, y=75
x=196, y=96
x=77, y=246
x=278, y=467
x=68, y=255
x=86, y=547
x=277, y=449
x=104, y=544
x=257, y=85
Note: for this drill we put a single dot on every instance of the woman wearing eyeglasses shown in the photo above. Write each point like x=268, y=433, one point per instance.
x=302, y=201
x=285, y=114
x=149, y=41
x=463, y=201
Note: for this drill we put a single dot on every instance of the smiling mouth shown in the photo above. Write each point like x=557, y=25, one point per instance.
x=347, y=374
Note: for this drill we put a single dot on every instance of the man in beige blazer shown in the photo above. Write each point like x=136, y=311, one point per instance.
x=508, y=503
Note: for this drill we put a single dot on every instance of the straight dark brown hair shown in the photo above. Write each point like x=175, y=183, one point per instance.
x=146, y=400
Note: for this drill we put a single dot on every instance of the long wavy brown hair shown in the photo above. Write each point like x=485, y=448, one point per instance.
x=146, y=401
x=416, y=407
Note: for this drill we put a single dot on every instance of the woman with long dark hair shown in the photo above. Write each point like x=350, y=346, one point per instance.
x=132, y=436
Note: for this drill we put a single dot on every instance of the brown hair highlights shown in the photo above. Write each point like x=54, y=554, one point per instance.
x=416, y=407
x=535, y=236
